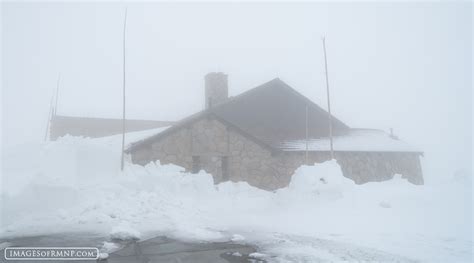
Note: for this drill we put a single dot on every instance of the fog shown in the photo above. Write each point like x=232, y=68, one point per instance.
x=405, y=66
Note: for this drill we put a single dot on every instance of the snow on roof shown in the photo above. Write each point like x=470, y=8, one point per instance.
x=142, y=135
x=132, y=137
x=358, y=140
x=135, y=137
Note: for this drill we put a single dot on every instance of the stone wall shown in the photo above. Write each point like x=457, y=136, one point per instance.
x=249, y=161
x=361, y=167
x=365, y=167
x=211, y=140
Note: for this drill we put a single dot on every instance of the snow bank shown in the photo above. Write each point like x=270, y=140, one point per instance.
x=124, y=232
x=324, y=179
x=74, y=184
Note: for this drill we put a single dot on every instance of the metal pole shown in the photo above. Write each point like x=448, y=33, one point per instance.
x=328, y=97
x=123, y=91
x=50, y=114
x=306, y=153
x=57, y=94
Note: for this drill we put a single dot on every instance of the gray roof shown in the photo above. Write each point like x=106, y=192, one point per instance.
x=272, y=114
x=98, y=127
x=357, y=140
x=268, y=114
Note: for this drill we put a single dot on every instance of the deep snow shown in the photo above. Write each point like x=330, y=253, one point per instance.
x=74, y=184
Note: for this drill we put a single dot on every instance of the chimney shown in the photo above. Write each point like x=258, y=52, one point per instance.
x=216, y=89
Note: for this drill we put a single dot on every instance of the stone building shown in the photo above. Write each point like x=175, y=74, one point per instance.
x=261, y=136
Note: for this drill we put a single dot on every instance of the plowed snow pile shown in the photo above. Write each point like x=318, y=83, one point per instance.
x=74, y=184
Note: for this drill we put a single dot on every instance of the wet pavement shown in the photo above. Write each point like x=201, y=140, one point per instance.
x=158, y=249
x=162, y=249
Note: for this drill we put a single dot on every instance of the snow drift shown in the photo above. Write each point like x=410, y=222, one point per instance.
x=74, y=184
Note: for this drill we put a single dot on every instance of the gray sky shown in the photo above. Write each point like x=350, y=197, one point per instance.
x=405, y=65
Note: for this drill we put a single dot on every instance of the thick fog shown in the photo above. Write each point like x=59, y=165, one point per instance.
x=402, y=66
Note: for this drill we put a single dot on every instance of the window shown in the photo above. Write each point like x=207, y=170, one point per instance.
x=225, y=168
x=196, y=164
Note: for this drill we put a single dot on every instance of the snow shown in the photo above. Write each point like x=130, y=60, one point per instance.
x=109, y=247
x=75, y=184
x=237, y=238
x=124, y=232
x=142, y=135
x=103, y=256
x=134, y=137
x=323, y=180
x=363, y=140
x=258, y=255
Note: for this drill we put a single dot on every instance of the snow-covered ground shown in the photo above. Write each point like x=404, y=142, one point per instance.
x=74, y=184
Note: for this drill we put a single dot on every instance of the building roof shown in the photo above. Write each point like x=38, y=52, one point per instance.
x=98, y=127
x=274, y=112
x=274, y=115
x=357, y=140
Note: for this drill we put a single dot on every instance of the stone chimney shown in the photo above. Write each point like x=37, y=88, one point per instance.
x=216, y=89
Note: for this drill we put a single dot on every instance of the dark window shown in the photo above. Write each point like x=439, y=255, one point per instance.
x=196, y=164
x=225, y=168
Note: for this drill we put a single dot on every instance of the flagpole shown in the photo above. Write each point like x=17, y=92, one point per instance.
x=48, y=124
x=328, y=98
x=306, y=132
x=57, y=94
x=123, y=93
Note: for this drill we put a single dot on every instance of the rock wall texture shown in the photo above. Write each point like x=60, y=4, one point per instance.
x=362, y=167
x=211, y=141
x=224, y=152
x=365, y=167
